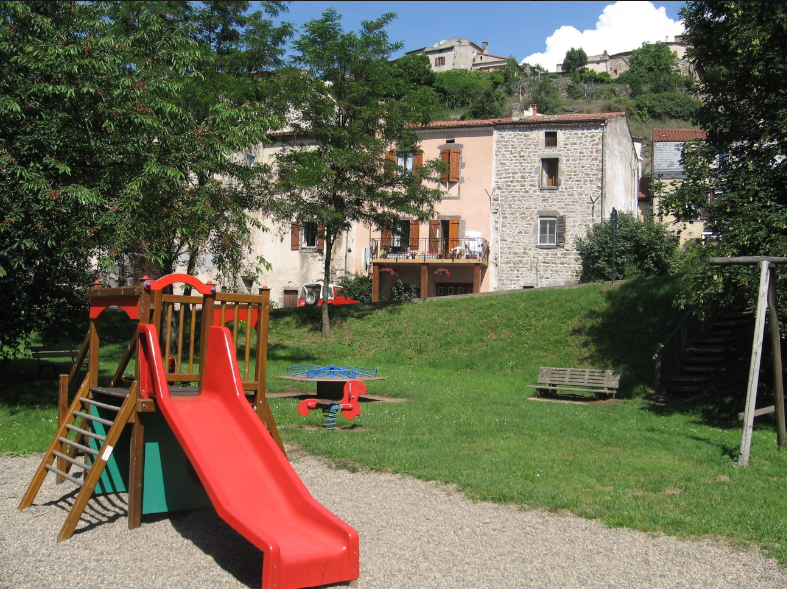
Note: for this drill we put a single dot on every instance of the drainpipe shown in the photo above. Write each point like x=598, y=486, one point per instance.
x=603, y=167
x=346, y=248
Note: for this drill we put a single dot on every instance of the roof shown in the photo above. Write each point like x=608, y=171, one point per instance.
x=538, y=119
x=674, y=135
x=454, y=41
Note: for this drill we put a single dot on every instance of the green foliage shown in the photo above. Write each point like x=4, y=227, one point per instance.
x=543, y=91
x=358, y=287
x=461, y=88
x=652, y=68
x=666, y=105
x=490, y=104
x=641, y=249
x=416, y=70
x=738, y=51
x=403, y=292
x=336, y=85
x=575, y=60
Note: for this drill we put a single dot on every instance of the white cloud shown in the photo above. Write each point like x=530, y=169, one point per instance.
x=622, y=26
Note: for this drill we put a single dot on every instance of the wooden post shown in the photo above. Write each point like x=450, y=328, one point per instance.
x=136, y=465
x=754, y=369
x=776, y=345
x=424, y=281
x=261, y=361
x=375, y=283
x=92, y=362
x=476, y=277
x=208, y=304
x=62, y=413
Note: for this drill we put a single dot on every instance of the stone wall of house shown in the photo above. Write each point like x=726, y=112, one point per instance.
x=520, y=199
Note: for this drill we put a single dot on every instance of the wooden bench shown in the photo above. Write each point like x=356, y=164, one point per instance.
x=40, y=353
x=604, y=383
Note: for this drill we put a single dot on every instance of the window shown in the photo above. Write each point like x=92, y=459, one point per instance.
x=438, y=61
x=405, y=161
x=550, y=139
x=310, y=235
x=451, y=158
x=547, y=231
x=549, y=168
x=250, y=161
x=396, y=240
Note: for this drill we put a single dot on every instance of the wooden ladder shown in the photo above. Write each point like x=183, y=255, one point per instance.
x=65, y=450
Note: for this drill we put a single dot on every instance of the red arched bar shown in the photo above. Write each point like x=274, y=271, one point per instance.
x=186, y=278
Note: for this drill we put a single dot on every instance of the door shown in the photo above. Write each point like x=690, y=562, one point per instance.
x=290, y=298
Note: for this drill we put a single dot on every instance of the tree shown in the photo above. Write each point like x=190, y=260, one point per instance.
x=353, y=107
x=542, y=91
x=99, y=158
x=575, y=60
x=652, y=67
x=739, y=176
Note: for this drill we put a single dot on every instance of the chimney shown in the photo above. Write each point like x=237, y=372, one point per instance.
x=485, y=46
x=534, y=108
x=605, y=53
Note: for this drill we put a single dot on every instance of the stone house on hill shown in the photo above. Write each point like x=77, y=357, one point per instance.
x=461, y=54
x=554, y=177
x=667, y=174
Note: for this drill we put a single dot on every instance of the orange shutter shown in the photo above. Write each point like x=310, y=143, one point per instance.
x=385, y=239
x=320, y=237
x=390, y=163
x=295, y=237
x=415, y=227
x=434, y=231
x=453, y=234
x=418, y=161
x=453, y=175
x=445, y=157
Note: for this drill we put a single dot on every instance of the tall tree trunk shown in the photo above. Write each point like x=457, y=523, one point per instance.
x=326, y=325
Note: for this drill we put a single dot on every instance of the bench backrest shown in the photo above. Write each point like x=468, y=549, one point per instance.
x=575, y=377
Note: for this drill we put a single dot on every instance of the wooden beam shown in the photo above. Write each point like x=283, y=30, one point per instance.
x=476, y=278
x=375, y=283
x=747, y=260
x=424, y=281
x=759, y=412
x=754, y=369
x=62, y=413
x=136, y=467
x=776, y=345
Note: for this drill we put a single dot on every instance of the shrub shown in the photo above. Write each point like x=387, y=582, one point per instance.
x=401, y=291
x=641, y=249
x=358, y=287
x=667, y=105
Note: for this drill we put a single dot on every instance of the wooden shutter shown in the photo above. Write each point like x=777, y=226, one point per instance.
x=390, y=163
x=550, y=171
x=434, y=242
x=560, y=238
x=295, y=237
x=550, y=139
x=453, y=234
x=445, y=157
x=320, y=237
x=418, y=161
x=415, y=227
x=453, y=175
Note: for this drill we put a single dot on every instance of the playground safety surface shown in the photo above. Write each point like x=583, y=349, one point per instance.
x=414, y=534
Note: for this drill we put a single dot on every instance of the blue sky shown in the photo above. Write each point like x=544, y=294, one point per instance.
x=520, y=29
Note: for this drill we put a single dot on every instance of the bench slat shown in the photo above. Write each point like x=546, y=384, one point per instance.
x=589, y=380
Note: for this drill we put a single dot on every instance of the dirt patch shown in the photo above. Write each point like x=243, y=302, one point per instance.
x=577, y=400
x=722, y=478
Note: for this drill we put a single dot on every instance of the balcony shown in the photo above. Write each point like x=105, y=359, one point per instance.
x=430, y=250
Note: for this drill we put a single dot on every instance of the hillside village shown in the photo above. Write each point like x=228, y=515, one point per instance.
x=520, y=190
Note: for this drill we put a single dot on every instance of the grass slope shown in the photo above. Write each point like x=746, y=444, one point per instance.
x=463, y=363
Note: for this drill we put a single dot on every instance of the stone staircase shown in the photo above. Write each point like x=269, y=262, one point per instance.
x=707, y=354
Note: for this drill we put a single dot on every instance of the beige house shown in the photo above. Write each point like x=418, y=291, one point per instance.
x=461, y=54
x=667, y=174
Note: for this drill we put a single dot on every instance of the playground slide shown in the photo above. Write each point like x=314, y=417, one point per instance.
x=250, y=482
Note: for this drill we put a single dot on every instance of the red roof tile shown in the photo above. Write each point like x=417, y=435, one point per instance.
x=578, y=117
x=673, y=135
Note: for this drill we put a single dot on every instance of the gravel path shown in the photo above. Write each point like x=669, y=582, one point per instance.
x=413, y=535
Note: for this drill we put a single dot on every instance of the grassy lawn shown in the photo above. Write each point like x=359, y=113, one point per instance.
x=462, y=364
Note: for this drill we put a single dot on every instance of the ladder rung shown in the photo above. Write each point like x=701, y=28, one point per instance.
x=59, y=472
x=85, y=432
x=101, y=405
x=67, y=458
x=92, y=417
x=79, y=446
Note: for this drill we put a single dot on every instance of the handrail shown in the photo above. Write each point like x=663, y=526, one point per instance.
x=660, y=347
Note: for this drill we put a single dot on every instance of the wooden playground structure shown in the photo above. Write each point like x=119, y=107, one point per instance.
x=91, y=424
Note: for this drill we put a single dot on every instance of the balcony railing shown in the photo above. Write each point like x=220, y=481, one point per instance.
x=431, y=248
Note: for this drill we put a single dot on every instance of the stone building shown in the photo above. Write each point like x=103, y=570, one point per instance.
x=667, y=174
x=461, y=54
x=618, y=63
x=554, y=177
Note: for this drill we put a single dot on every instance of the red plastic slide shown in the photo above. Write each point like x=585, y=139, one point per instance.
x=250, y=482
